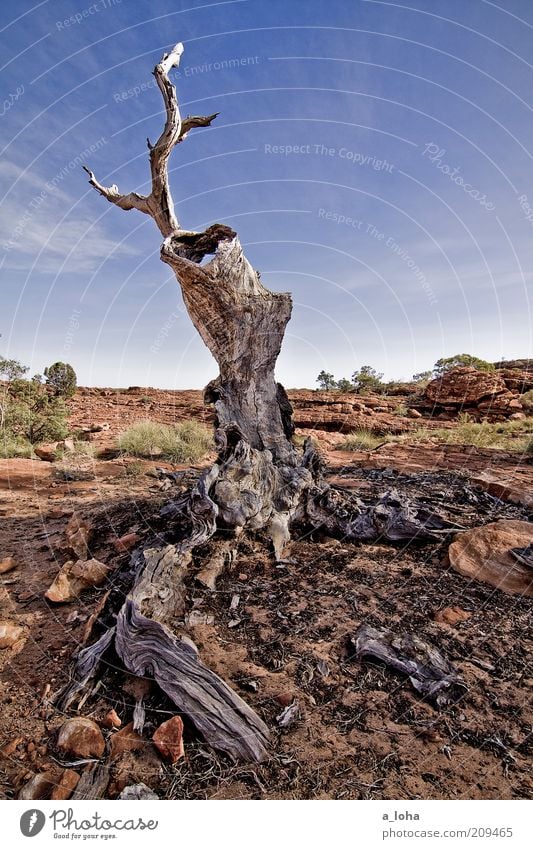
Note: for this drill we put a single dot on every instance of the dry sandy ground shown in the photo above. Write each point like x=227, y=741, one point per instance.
x=362, y=731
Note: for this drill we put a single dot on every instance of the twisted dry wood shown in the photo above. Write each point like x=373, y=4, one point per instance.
x=430, y=673
x=260, y=480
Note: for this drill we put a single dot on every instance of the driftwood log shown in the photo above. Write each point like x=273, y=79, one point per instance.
x=431, y=674
x=260, y=480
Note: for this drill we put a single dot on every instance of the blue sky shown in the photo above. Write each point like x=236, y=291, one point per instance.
x=375, y=157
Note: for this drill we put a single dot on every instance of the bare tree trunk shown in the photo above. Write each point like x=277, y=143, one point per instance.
x=259, y=477
x=243, y=324
x=260, y=481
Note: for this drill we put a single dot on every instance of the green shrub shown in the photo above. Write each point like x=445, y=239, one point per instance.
x=12, y=447
x=134, y=469
x=82, y=450
x=180, y=443
x=367, y=379
x=423, y=377
x=527, y=401
x=344, y=385
x=528, y=446
x=509, y=435
x=31, y=414
x=361, y=440
x=61, y=378
x=447, y=363
x=400, y=410
x=12, y=369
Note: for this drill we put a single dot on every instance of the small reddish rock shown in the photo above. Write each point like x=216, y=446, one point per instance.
x=126, y=740
x=59, y=512
x=168, y=739
x=47, y=452
x=126, y=543
x=77, y=536
x=81, y=737
x=7, y=564
x=451, y=615
x=284, y=699
x=38, y=787
x=111, y=720
x=9, y=748
x=10, y=634
x=66, y=785
x=75, y=577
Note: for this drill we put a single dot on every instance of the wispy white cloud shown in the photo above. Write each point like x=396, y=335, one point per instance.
x=32, y=232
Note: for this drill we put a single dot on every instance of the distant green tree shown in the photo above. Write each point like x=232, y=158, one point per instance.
x=345, y=385
x=367, y=379
x=447, y=363
x=61, y=378
x=11, y=369
x=326, y=381
x=422, y=376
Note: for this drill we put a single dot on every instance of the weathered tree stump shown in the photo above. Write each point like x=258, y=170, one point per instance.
x=260, y=480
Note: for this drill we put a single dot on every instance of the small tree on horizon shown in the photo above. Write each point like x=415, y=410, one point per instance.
x=326, y=381
x=61, y=378
x=422, y=376
x=367, y=379
x=12, y=369
x=345, y=385
x=457, y=361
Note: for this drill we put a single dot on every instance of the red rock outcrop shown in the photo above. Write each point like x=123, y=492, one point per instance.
x=465, y=389
x=517, y=380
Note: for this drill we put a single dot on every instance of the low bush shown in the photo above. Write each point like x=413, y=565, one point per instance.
x=30, y=414
x=527, y=401
x=12, y=447
x=509, y=435
x=181, y=443
x=361, y=440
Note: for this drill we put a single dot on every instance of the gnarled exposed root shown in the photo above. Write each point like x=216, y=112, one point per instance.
x=244, y=489
x=217, y=712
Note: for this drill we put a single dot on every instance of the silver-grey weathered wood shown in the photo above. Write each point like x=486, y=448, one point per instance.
x=260, y=481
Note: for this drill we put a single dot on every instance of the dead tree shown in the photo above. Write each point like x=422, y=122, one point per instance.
x=260, y=480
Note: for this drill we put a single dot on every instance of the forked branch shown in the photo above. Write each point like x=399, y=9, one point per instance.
x=159, y=204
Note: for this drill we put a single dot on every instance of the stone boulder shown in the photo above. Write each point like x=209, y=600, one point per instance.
x=10, y=634
x=464, y=386
x=81, y=738
x=468, y=389
x=485, y=554
x=40, y=786
x=7, y=564
x=47, y=452
x=77, y=536
x=75, y=577
x=517, y=380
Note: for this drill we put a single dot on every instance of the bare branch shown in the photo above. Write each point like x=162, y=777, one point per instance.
x=159, y=203
x=161, y=198
x=112, y=194
x=192, y=121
